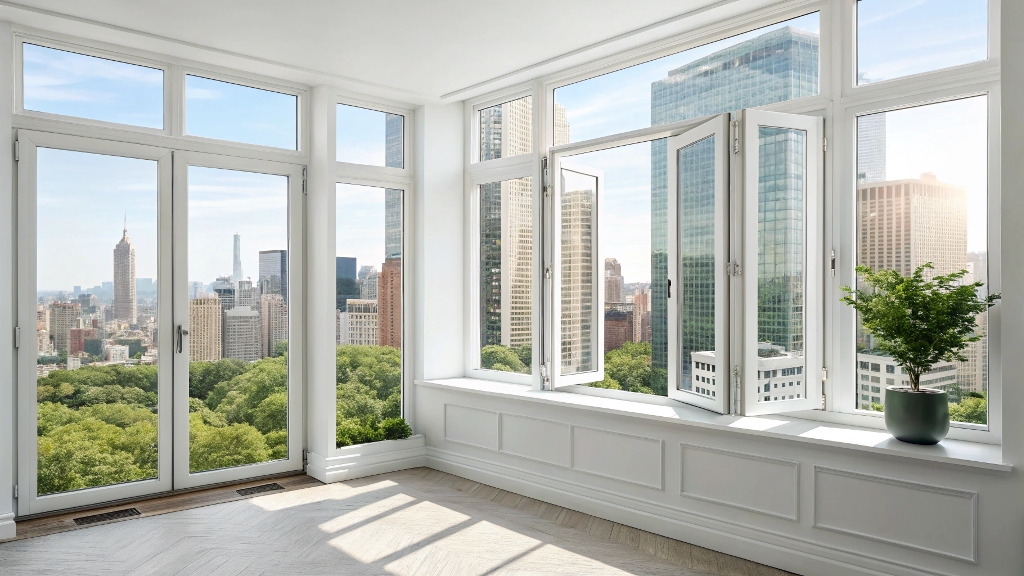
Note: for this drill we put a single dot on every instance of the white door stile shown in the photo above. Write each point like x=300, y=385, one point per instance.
x=813, y=278
x=557, y=167
x=29, y=501
x=183, y=478
x=718, y=130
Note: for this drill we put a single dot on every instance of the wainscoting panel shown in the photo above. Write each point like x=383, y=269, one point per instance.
x=943, y=521
x=543, y=440
x=746, y=481
x=625, y=457
x=471, y=426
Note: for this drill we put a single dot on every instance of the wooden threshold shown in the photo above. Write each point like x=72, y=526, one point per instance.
x=160, y=504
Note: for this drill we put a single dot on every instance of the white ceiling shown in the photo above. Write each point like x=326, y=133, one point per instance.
x=422, y=48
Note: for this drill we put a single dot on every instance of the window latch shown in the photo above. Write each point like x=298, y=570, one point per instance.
x=547, y=272
x=833, y=265
x=669, y=290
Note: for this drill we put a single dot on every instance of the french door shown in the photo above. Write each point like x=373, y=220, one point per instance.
x=109, y=404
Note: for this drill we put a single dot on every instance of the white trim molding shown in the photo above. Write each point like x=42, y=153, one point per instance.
x=368, y=459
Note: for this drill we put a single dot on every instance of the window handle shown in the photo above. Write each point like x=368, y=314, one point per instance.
x=181, y=336
x=669, y=294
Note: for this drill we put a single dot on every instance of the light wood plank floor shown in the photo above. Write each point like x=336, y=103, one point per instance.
x=414, y=522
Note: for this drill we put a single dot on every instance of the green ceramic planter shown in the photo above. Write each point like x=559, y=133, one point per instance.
x=916, y=417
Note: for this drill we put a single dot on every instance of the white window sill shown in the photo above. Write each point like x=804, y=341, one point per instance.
x=781, y=426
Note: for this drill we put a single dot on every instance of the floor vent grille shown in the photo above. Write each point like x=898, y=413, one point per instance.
x=259, y=489
x=107, y=516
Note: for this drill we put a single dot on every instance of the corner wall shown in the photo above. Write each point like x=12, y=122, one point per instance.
x=7, y=282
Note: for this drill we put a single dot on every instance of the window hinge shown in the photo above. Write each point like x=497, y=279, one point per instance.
x=669, y=291
x=824, y=144
x=832, y=267
x=304, y=459
x=545, y=376
x=733, y=269
x=735, y=136
x=15, y=490
x=303, y=180
x=547, y=272
x=824, y=373
x=17, y=150
x=17, y=336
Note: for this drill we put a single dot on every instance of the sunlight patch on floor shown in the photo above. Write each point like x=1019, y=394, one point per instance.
x=397, y=531
x=474, y=551
x=338, y=491
x=365, y=511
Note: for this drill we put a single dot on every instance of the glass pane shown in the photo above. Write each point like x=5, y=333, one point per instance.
x=226, y=111
x=897, y=38
x=506, y=275
x=578, y=205
x=507, y=129
x=922, y=196
x=370, y=137
x=625, y=237
x=238, y=320
x=782, y=162
x=771, y=64
x=61, y=82
x=96, y=320
x=369, y=315
x=696, y=292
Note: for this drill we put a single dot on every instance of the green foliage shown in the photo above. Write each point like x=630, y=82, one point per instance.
x=369, y=395
x=919, y=321
x=972, y=409
x=629, y=368
x=877, y=407
x=203, y=376
x=212, y=447
x=135, y=347
x=280, y=349
x=502, y=358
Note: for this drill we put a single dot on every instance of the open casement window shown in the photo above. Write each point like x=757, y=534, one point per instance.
x=780, y=356
x=698, y=261
x=577, y=337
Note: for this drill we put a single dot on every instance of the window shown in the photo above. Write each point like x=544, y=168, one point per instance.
x=369, y=313
x=922, y=189
x=71, y=84
x=506, y=275
x=771, y=64
x=96, y=320
x=227, y=111
x=897, y=38
x=370, y=137
x=506, y=130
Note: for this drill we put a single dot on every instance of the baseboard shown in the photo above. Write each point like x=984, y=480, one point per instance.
x=790, y=554
x=7, y=527
x=353, y=462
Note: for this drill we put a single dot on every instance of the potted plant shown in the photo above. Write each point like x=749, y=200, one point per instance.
x=918, y=321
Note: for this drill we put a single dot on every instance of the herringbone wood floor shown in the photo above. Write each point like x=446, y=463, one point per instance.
x=414, y=522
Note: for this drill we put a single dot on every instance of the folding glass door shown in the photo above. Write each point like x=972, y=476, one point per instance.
x=690, y=265
x=104, y=359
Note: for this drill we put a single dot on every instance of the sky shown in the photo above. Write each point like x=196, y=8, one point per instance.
x=360, y=135
x=360, y=224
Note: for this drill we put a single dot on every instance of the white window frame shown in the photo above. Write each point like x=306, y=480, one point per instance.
x=838, y=101
x=301, y=106
x=393, y=178
x=497, y=170
x=369, y=171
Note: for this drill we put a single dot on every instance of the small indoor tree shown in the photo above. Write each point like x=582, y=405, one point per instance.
x=919, y=321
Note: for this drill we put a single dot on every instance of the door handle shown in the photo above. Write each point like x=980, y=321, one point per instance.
x=181, y=336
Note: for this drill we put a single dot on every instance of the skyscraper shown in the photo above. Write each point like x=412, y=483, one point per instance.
x=125, y=305
x=778, y=65
x=392, y=223
x=236, y=267
x=577, y=298
x=614, y=283
x=368, y=287
x=345, y=268
x=274, y=272
x=506, y=225
x=63, y=317
x=362, y=322
x=871, y=148
x=274, y=314
x=242, y=334
x=204, y=329
x=389, y=303
x=245, y=295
